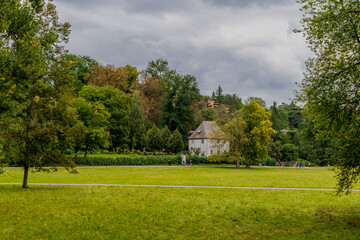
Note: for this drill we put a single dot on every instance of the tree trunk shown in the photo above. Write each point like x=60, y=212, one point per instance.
x=75, y=153
x=247, y=164
x=85, y=154
x=238, y=163
x=26, y=172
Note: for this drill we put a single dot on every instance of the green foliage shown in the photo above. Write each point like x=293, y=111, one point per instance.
x=165, y=138
x=221, y=159
x=248, y=132
x=132, y=77
x=155, y=141
x=257, y=131
x=35, y=115
x=176, y=142
x=233, y=132
x=260, y=101
x=79, y=67
x=289, y=153
x=315, y=150
x=208, y=114
x=233, y=102
x=219, y=96
x=274, y=150
x=275, y=118
x=157, y=68
x=137, y=129
x=116, y=104
x=137, y=160
x=283, y=113
x=181, y=94
x=93, y=119
x=270, y=162
x=330, y=88
x=295, y=116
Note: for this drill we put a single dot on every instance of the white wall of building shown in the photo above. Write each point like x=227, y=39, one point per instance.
x=208, y=147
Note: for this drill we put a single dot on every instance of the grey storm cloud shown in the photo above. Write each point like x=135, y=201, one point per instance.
x=246, y=46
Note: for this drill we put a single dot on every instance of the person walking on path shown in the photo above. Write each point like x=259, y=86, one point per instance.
x=309, y=164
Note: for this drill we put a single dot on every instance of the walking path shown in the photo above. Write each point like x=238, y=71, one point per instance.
x=176, y=186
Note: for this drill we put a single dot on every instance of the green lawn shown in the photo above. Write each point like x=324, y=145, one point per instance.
x=197, y=175
x=65, y=212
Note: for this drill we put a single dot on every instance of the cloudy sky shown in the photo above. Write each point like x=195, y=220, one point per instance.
x=246, y=46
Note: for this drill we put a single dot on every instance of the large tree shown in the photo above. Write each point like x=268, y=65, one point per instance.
x=117, y=104
x=249, y=132
x=137, y=128
x=93, y=121
x=122, y=78
x=153, y=89
x=35, y=114
x=157, y=68
x=330, y=88
x=80, y=66
x=181, y=94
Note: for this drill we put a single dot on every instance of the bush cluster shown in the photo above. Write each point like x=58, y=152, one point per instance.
x=219, y=159
x=270, y=162
x=146, y=160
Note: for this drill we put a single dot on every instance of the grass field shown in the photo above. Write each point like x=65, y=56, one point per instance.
x=206, y=175
x=65, y=212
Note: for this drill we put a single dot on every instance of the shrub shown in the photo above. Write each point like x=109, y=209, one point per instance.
x=195, y=151
x=139, y=160
x=270, y=162
x=289, y=152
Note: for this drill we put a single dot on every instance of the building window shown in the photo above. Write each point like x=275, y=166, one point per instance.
x=202, y=141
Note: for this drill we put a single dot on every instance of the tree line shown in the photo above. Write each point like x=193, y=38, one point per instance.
x=52, y=101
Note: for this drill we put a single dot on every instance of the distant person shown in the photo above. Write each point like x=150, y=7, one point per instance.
x=309, y=164
x=183, y=160
x=303, y=164
x=190, y=162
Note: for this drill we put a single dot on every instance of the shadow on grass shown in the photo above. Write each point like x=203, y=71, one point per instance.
x=240, y=168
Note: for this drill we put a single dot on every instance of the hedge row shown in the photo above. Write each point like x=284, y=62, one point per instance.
x=148, y=160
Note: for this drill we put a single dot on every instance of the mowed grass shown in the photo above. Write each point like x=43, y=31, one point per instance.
x=83, y=212
x=63, y=212
x=196, y=175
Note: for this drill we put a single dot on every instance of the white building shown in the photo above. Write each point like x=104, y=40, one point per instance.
x=204, y=140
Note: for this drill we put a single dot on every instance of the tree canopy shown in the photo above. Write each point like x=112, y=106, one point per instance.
x=181, y=93
x=35, y=99
x=330, y=88
x=249, y=132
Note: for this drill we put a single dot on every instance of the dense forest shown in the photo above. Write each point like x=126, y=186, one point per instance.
x=122, y=108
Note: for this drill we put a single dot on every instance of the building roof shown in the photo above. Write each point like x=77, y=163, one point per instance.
x=205, y=130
